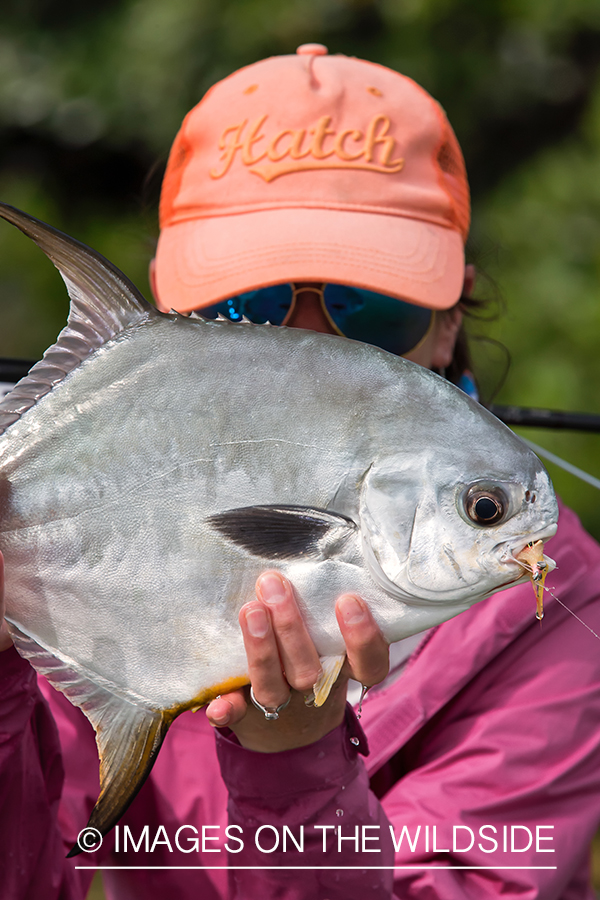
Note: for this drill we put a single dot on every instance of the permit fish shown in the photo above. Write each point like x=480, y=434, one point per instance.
x=152, y=465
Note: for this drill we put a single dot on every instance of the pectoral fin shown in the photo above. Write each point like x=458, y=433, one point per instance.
x=332, y=666
x=285, y=532
x=129, y=733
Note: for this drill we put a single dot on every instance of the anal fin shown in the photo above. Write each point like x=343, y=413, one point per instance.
x=129, y=732
x=331, y=666
x=128, y=739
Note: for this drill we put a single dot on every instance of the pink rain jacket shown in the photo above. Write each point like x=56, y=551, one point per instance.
x=484, y=754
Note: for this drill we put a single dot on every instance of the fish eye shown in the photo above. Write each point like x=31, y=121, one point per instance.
x=486, y=506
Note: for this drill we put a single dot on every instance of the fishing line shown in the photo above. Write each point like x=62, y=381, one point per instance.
x=568, y=467
x=584, y=476
x=572, y=613
x=552, y=594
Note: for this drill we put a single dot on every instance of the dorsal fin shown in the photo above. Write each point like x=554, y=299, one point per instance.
x=103, y=303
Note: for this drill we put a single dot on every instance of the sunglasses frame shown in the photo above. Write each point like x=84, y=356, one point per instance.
x=299, y=289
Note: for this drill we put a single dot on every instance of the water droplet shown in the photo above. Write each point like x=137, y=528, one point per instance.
x=360, y=702
x=339, y=812
x=355, y=741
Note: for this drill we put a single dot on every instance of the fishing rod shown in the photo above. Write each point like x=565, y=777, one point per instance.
x=12, y=370
x=545, y=418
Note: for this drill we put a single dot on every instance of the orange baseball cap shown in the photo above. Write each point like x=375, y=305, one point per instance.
x=313, y=168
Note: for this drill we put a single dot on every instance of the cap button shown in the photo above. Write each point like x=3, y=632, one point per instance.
x=312, y=50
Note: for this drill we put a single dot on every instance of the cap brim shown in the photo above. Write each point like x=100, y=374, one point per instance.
x=205, y=260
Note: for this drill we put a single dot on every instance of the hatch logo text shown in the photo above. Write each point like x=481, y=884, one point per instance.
x=291, y=150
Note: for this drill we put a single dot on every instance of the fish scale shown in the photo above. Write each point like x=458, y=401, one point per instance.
x=152, y=465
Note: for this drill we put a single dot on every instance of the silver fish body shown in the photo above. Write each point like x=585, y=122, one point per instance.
x=153, y=465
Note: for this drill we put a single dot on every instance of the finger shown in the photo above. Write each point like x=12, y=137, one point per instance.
x=367, y=649
x=227, y=710
x=299, y=657
x=5, y=638
x=264, y=664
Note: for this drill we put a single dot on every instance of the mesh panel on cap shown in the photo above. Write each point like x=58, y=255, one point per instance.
x=178, y=157
x=453, y=176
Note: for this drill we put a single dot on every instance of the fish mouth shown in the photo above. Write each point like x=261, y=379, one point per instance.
x=511, y=552
x=543, y=535
x=535, y=562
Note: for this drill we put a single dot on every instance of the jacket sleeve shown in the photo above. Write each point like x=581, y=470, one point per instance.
x=32, y=854
x=508, y=774
x=309, y=810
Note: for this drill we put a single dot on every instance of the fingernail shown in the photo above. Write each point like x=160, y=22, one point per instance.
x=272, y=589
x=351, y=610
x=257, y=622
x=219, y=721
x=221, y=718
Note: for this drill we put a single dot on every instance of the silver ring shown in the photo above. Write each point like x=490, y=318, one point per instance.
x=269, y=712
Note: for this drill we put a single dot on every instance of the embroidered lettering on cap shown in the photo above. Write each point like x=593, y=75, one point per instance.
x=290, y=150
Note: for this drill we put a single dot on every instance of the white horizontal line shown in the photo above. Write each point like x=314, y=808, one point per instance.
x=308, y=868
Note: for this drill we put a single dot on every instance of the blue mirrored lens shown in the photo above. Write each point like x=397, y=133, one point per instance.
x=377, y=319
x=359, y=314
x=270, y=304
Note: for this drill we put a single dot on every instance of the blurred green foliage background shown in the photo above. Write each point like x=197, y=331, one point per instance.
x=91, y=95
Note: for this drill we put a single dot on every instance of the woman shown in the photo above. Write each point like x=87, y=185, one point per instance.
x=329, y=173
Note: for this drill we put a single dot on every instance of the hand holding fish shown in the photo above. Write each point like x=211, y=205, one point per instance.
x=277, y=642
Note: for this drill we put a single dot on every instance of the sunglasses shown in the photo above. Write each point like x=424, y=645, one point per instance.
x=356, y=313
